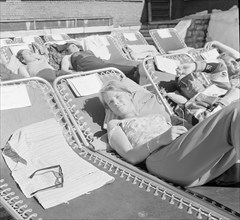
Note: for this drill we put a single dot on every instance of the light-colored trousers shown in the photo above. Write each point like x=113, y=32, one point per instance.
x=203, y=153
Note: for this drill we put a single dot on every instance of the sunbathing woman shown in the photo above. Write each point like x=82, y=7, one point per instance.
x=185, y=157
x=78, y=60
x=37, y=65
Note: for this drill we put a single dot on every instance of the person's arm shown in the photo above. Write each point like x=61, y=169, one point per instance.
x=66, y=65
x=22, y=71
x=121, y=144
x=223, y=48
x=232, y=95
x=200, y=66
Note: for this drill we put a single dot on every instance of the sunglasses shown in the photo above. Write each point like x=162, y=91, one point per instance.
x=55, y=171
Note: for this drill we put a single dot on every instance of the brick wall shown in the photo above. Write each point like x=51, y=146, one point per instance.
x=197, y=32
x=120, y=10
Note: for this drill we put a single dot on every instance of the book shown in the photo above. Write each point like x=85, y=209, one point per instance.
x=210, y=55
x=85, y=85
x=166, y=65
x=14, y=96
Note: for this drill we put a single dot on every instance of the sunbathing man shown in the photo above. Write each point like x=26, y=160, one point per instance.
x=185, y=157
x=223, y=71
x=78, y=60
x=37, y=65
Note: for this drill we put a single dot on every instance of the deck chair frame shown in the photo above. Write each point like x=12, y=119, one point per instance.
x=149, y=68
x=166, y=43
x=60, y=37
x=128, y=172
x=124, y=41
x=118, y=47
x=6, y=42
x=148, y=65
x=29, y=39
x=22, y=208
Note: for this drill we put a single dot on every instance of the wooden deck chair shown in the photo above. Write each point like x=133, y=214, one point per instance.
x=167, y=39
x=6, y=42
x=87, y=115
x=29, y=39
x=133, y=194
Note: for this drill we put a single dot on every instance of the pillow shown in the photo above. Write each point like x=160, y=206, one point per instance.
x=16, y=48
x=141, y=51
x=14, y=64
x=98, y=45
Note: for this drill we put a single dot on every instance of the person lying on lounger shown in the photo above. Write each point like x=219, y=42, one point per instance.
x=224, y=71
x=223, y=48
x=202, y=98
x=37, y=65
x=202, y=82
x=185, y=157
x=78, y=60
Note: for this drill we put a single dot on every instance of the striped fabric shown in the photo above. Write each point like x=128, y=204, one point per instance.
x=43, y=145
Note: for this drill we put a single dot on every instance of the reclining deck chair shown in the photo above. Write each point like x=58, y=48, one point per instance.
x=87, y=115
x=135, y=45
x=29, y=39
x=168, y=40
x=6, y=42
x=115, y=52
x=8, y=54
x=155, y=77
x=130, y=38
x=109, y=45
x=58, y=38
x=133, y=194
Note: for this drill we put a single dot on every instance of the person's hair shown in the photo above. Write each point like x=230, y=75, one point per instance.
x=113, y=85
x=226, y=57
x=20, y=56
x=66, y=50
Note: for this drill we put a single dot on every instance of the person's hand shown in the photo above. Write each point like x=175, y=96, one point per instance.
x=172, y=133
x=212, y=44
x=176, y=120
x=186, y=68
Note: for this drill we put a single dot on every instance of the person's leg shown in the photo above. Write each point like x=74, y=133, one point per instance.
x=48, y=74
x=206, y=150
x=231, y=96
x=130, y=71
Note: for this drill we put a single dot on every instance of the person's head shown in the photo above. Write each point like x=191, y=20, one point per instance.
x=72, y=48
x=116, y=97
x=233, y=66
x=190, y=85
x=25, y=56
